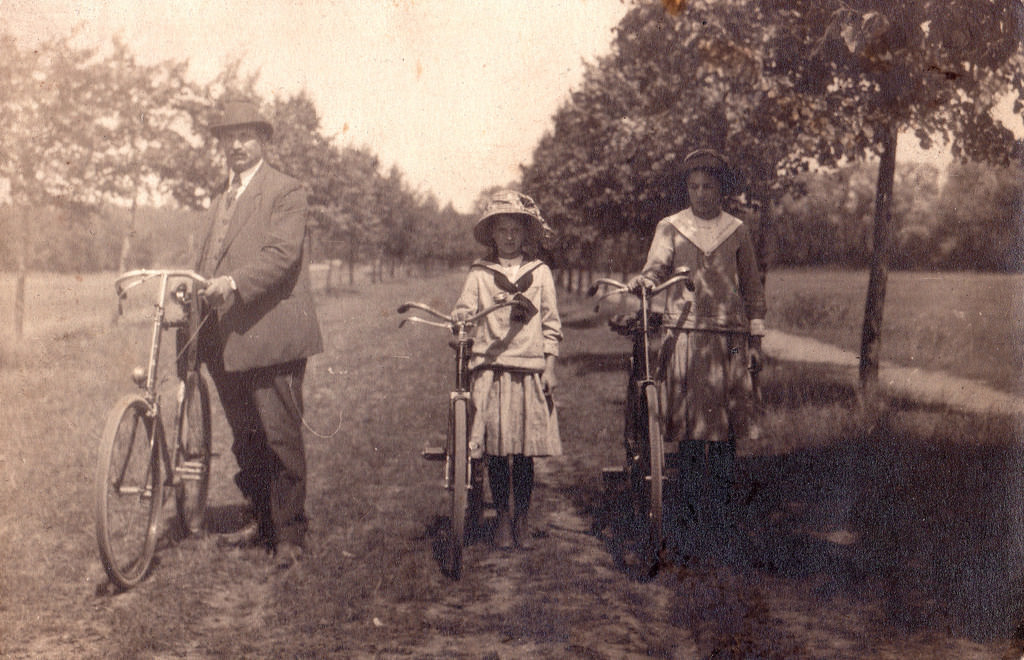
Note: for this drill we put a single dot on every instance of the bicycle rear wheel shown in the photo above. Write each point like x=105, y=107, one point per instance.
x=459, y=500
x=128, y=491
x=192, y=453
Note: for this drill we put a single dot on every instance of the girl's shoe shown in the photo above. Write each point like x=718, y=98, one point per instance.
x=521, y=532
x=503, y=538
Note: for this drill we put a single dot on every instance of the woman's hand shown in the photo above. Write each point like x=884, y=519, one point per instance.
x=639, y=281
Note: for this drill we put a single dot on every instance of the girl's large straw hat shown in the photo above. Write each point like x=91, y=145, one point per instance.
x=510, y=202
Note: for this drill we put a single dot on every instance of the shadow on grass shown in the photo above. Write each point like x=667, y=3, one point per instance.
x=584, y=363
x=584, y=322
x=918, y=515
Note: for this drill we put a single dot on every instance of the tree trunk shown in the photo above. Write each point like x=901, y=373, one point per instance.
x=871, y=336
x=126, y=240
x=19, y=300
x=19, y=287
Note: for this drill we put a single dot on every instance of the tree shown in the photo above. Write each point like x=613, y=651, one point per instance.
x=782, y=85
x=672, y=83
x=865, y=71
x=48, y=148
x=137, y=106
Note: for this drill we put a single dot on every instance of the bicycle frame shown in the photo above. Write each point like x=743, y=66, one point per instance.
x=126, y=541
x=148, y=383
x=645, y=449
x=458, y=451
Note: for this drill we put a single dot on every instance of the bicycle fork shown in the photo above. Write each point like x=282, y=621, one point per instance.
x=455, y=398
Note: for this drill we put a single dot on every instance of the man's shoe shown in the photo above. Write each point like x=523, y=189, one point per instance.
x=247, y=537
x=286, y=555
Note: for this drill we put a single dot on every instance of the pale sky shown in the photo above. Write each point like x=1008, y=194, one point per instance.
x=454, y=92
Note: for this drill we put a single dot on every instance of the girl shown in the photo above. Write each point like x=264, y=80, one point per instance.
x=713, y=338
x=513, y=357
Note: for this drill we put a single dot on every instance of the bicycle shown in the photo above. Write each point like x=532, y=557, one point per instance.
x=645, y=466
x=463, y=478
x=135, y=465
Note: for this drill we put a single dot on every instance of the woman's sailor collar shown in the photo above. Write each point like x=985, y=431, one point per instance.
x=707, y=235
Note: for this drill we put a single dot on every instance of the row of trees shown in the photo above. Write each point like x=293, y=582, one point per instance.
x=783, y=87
x=92, y=135
x=967, y=218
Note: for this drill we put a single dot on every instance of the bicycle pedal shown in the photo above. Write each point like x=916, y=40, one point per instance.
x=433, y=453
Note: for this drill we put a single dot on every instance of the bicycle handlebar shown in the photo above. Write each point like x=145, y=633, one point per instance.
x=450, y=322
x=618, y=287
x=137, y=277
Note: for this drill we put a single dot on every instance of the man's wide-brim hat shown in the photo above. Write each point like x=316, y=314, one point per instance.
x=238, y=114
x=510, y=202
x=713, y=161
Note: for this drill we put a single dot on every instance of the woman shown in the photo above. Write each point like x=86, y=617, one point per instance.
x=713, y=337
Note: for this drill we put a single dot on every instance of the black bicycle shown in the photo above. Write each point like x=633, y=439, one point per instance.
x=463, y=478
x=644, y=473
x=136, y=462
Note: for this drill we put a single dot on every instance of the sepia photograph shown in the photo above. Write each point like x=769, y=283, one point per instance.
x=503, y=329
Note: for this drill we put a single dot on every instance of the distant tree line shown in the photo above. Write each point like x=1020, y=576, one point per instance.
x=104, y=162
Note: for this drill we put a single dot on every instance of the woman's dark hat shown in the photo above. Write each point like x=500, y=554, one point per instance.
x=510, y=202
x=235, y=114
x=712, y=161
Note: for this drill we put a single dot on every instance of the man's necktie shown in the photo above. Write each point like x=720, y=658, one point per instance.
x=220, y=227
x=232, y=192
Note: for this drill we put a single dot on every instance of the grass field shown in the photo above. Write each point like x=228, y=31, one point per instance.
x=931, y=504
x=969, y=324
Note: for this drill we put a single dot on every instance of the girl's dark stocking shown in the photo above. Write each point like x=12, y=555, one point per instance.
x=499, y=475
x=522, y=490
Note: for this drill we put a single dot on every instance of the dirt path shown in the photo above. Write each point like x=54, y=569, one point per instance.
x=931, y=388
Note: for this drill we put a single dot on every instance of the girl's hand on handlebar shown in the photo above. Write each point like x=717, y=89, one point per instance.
x=640, y=281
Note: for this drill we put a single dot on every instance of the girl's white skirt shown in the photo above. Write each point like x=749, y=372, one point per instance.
x=513, y=415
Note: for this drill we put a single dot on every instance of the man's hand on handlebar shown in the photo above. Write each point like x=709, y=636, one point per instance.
x=219, y=293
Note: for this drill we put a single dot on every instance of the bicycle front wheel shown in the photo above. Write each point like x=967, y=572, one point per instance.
x=459, y=483
x=657, y=462
x=192, y=453
x=128, y=491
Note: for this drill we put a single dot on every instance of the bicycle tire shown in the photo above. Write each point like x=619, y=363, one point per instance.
x=656, y=463
x=459, y=482
x=192, y=453
x=129, y=491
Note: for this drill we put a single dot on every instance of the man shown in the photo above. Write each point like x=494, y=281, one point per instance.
x=262, y=327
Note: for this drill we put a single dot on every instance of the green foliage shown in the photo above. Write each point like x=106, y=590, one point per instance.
x=782, y=87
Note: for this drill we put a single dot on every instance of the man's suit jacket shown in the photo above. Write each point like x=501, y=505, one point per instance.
x=265, y=250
